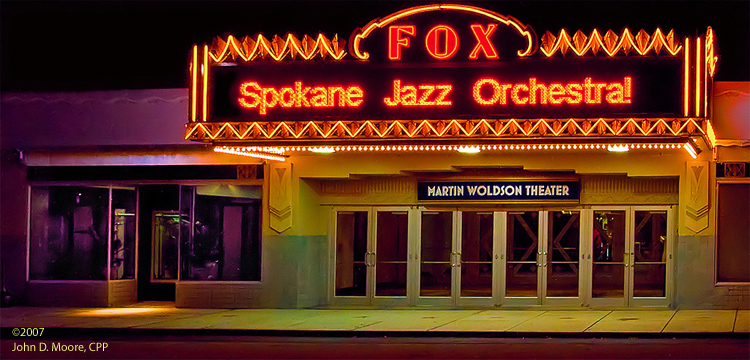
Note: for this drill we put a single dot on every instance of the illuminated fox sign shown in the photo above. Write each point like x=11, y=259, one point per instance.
x=443, y=32
x=442, y=63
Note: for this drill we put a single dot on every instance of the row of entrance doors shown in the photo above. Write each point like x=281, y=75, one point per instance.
x=601, y=256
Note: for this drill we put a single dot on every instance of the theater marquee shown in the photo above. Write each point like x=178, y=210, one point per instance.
x=452, y=72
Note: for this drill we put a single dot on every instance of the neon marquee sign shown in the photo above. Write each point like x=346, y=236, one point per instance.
x=448, y=63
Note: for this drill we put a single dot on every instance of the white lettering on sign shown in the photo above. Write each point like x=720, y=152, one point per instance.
x=547, y=190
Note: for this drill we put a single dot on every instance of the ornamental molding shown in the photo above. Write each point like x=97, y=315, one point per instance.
x=292, y=47
x=277, y=48
x=610, y=44
x=447, y=129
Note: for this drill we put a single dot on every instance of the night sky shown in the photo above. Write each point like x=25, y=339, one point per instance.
x=103, y=45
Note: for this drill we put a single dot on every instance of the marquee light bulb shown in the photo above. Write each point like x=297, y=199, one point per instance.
x=469, y=149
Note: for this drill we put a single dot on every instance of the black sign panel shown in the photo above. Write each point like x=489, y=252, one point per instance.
x=521, y=88
x=500, y=191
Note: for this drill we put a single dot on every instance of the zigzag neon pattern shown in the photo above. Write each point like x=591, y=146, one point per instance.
x=610, y=43
x=249, y=49
x=391, y=129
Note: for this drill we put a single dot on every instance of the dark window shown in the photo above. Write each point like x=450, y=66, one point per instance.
x=68, y=237
x=226, y=236
x=733, y=238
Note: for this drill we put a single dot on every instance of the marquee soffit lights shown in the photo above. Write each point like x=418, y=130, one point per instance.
x=270, y=155
x=428, y=129
x=279, y=153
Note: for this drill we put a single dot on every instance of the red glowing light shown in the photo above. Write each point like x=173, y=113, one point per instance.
x=534, y=92
x=449, y=45
x=396, y=41
x=483, y=42
x=252, y=96
x=422, y=95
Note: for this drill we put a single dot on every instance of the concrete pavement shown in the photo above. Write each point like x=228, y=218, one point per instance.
x=588, y=322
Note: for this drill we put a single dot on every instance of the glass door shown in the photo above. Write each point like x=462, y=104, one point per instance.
x=475, y=254
x=522, y=254
x=437, y=258
x=650, y=257
x=560, y=260
x=351, y=257
x=370, y=256
x=542, y=258
x=610, y=250
x=631, y=256
x=389, y=257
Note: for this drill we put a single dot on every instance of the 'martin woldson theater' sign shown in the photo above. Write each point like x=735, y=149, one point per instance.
x=445, y=62
x=498, y=191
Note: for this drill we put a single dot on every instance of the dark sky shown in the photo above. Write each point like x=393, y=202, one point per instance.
x=100, y=45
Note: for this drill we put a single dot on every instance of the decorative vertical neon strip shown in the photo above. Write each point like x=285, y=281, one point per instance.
x=194, y=85
x=705, y=80
x=205, y=82
x=687, y=76
x=697, y=76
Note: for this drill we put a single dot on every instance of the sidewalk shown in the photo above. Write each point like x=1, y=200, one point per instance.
x=368, y=322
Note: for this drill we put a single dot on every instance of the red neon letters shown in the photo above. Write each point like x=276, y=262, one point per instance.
x=449, y=46
x=254, y=96
x=407, y=95
x=491, y=92
x=483, y=42
x=486, y=91
x=441, y=41
x=395, y=41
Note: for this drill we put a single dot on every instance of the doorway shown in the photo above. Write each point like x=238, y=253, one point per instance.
x=370, y=256
x=542, y=258
x=631, y=250
x=600, y=256
x=158, y=249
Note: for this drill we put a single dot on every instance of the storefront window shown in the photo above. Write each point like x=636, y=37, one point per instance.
x=68, y=237
x=733, y=243
x=225, y=242
x=122, y=261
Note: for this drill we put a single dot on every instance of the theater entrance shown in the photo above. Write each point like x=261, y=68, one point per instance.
x=599, y=256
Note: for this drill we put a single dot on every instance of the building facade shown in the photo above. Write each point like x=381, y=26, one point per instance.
x=448, y=157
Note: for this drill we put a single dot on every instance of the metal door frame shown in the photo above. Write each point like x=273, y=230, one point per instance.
x=387, y=301
x=438, y=301
x=665, y=301
x=458, y=249
x=545, y=260
x=627, y=288
x=542, y=262
x=503, y=299
x=369, y=299
x=333, y=234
